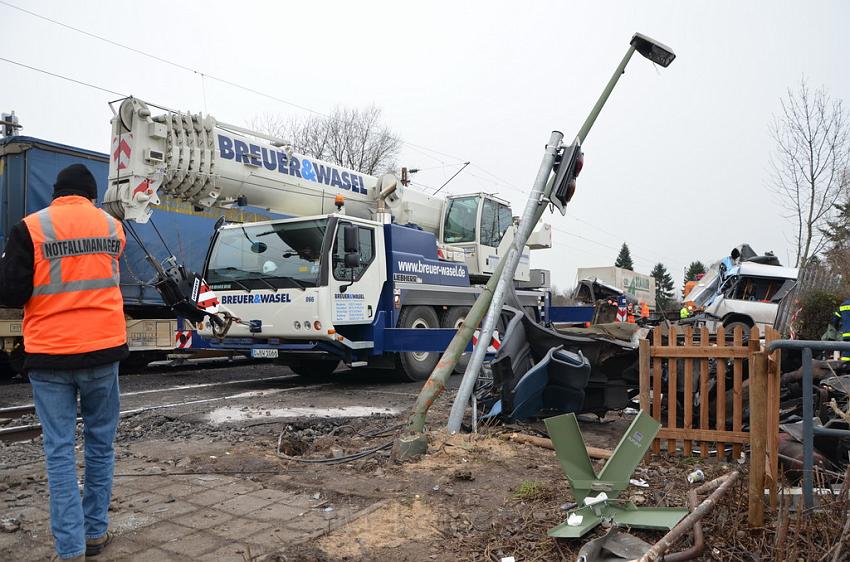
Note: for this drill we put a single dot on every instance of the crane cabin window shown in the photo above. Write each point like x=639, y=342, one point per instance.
x=495, y=220
x=461, y=216
x=268, y=256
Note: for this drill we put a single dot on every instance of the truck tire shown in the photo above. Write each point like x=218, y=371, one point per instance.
x=415, y=365
x=453, y=318
x=314, y=368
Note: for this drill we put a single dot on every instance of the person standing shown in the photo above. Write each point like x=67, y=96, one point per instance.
x=842, y=324
x=61, y=265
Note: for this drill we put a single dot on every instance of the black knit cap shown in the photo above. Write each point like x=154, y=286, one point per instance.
x=76, y=179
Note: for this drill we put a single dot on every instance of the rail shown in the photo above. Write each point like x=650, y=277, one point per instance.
x=809, y=428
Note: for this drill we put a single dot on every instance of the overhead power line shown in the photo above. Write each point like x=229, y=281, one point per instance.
x=160, y=59
x=63, y=77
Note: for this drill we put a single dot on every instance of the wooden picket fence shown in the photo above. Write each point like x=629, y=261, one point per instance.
x=693, y=351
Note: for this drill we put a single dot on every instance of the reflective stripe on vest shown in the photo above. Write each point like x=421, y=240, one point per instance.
x=53, y=250
x=845, y=319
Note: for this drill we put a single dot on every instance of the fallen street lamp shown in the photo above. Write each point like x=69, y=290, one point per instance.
x=493, y=295
x=558, y=190
x=658, y=53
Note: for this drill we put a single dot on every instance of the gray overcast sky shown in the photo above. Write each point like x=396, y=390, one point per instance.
x=676, y=165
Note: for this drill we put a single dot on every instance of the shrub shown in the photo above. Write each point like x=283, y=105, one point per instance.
x=816, y=312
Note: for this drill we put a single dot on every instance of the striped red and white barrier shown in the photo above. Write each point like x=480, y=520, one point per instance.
x=183, y=339
x=495, y=342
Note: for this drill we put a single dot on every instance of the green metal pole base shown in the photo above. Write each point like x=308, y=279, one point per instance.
x=409, y=447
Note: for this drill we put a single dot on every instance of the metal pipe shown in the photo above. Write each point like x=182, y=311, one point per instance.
x=811, y=344
x=699, y=539
x=808, y=441
x=534, y=207
x=691, y=519
x=809, y=429
x=594, y=113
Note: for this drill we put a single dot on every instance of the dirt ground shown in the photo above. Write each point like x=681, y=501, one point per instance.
x=475, y=497
x=472, y=497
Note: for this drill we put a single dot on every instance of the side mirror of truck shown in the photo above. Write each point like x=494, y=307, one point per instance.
x=350, y=238
x=352, y=259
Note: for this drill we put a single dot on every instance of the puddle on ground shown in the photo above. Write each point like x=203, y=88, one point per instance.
x=235, y=414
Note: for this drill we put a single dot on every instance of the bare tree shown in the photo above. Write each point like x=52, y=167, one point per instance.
x=809, y=164
x=350, y=137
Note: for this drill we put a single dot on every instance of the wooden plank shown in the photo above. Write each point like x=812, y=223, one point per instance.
x=720, y=394
x=644, y=376
x=672, y=380
x=737, y=391
x=656, y=388
x=706, y=435
x=704, y=403
x=758, y=435
x=701, y=351
x=688, y=394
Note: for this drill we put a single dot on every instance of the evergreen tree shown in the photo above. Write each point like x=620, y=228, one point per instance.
x=663, y=285
x=624, y=259
x=837, y=253
x=694, y=269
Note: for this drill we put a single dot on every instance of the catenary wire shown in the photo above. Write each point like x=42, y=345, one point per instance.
x=63, y=77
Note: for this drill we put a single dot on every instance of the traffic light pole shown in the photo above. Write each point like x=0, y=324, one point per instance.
x=534, y=208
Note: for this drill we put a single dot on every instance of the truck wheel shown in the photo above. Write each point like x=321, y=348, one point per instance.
x=314, y=368
x=453, y=318
x=417, y=365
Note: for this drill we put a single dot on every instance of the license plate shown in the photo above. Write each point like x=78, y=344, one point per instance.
x=264, y=353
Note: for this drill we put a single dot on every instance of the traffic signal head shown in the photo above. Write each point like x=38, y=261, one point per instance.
x=568, y=168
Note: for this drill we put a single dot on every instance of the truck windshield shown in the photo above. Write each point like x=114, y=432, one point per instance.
x=461, y=215
x=286, y=254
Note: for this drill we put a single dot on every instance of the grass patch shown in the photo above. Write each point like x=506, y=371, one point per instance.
x=530, y=490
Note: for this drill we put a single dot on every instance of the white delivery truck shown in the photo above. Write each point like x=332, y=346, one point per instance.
x=636, y=285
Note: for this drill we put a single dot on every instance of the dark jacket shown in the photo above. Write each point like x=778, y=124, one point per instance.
x=16, y=271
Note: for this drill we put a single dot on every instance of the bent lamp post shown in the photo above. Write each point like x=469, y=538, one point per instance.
x=538, y=199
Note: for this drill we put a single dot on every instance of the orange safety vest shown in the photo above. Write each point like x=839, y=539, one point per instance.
x=644, y=310
x=76, y=305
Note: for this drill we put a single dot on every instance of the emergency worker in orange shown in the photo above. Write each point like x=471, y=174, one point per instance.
x=61, y=265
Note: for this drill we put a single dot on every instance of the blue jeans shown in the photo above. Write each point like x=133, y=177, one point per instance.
x=73, y=520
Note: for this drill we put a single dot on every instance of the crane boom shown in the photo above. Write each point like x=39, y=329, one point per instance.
x=196, y=158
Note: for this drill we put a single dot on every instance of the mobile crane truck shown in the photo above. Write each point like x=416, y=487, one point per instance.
x=367, y=271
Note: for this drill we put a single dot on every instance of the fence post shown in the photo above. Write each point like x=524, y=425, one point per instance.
x=758, y=436
x=644, y=377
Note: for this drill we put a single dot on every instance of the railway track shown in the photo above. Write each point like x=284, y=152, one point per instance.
x=26, y=432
